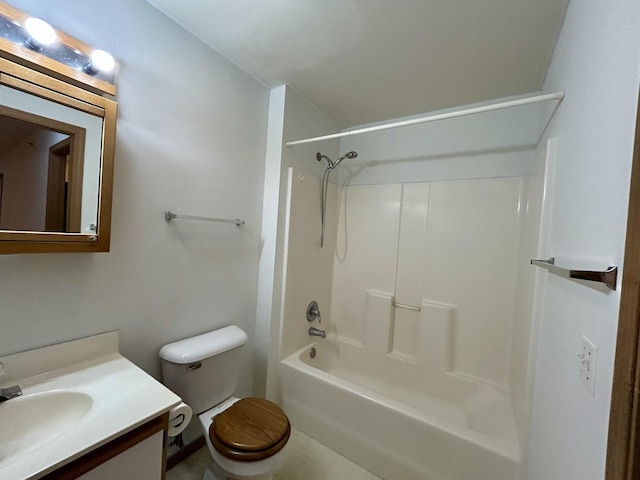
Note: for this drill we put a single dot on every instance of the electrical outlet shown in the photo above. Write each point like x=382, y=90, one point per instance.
x=587, y=364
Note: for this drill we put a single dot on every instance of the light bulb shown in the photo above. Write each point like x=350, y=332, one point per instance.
x=100, y=61
x=41, y=34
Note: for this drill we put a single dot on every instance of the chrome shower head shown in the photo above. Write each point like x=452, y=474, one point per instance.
x=351, y=154
x=331, y=163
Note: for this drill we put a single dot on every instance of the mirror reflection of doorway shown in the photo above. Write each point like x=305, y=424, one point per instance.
x=43, y=168
x=62, y=215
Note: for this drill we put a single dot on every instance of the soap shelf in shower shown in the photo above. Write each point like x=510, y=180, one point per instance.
x=609, y=276
x=406, y=307
x=168, y=216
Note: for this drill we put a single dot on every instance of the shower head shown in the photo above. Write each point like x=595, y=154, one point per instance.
x=331, y=163
x=351, y=154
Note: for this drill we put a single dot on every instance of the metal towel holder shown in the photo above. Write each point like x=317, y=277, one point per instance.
x=609, y=276
x=168, y=216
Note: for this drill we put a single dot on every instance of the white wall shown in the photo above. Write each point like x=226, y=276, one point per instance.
x=596, y=62
x=291, y=117
x=525, y=327
x=190, y=138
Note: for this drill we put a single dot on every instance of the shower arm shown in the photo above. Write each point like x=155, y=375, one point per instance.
x=319, y=158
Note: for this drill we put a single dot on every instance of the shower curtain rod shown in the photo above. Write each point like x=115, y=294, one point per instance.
x=432, y=118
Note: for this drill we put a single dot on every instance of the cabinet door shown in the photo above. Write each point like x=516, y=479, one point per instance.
x=137, y=455
x=143, y=461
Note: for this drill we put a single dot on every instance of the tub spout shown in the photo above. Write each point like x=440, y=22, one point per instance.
x=9, y=393
x=316, y=332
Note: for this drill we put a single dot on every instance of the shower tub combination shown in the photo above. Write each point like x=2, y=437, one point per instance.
x=371, y=408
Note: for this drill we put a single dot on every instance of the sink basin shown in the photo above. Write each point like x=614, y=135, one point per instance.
x=31, y=420
x=77, y=396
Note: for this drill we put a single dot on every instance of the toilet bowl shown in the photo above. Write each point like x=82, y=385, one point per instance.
x=247, y=438
x=225, y=466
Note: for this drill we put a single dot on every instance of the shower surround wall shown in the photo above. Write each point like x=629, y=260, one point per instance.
x=498, y=145
x=448, y=248
x=307, y=268
x=441, y=217
x=438, y=380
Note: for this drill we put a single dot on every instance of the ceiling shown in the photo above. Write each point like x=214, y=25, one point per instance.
x=362, y=61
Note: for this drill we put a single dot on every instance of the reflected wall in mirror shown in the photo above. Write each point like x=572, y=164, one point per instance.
x=56, y=161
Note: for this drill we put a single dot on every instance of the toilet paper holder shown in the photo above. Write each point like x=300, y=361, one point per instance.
x=179, y=418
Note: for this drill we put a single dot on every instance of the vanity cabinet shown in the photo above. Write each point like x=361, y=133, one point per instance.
x=136, y=455
x=85, y=412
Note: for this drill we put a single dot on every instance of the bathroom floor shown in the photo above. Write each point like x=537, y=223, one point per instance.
x=308, y=460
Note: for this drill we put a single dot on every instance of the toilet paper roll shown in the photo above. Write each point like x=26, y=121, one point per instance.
x=179, y=418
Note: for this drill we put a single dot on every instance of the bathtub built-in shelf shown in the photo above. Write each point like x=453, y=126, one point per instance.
x=406, y=307
x=609, y=276
x=168, y=216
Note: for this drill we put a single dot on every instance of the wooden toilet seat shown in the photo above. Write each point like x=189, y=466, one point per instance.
x=251, y=429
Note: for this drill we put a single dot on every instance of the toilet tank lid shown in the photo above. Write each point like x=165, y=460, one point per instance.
x=204, y=346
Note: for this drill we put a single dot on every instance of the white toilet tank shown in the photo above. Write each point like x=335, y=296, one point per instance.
x=204, y=369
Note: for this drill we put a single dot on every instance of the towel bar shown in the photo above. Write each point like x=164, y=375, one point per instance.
x=609, y=276
x=168, y=216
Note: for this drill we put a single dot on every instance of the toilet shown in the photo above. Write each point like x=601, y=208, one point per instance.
x=247, y=437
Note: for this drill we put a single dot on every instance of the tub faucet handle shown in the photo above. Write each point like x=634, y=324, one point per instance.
x=313, y=312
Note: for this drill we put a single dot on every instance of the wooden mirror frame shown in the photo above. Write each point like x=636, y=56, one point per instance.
x=41, y=85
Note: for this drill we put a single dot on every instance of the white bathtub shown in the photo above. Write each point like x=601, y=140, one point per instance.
x=396, y=419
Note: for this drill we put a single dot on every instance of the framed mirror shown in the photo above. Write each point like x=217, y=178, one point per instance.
x=57, y=146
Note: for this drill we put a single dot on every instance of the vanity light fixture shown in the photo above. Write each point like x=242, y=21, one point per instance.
x=40, y=34
x=100, y=61
x=34, y=41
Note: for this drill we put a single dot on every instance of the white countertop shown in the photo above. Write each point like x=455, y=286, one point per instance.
x=122, y=397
